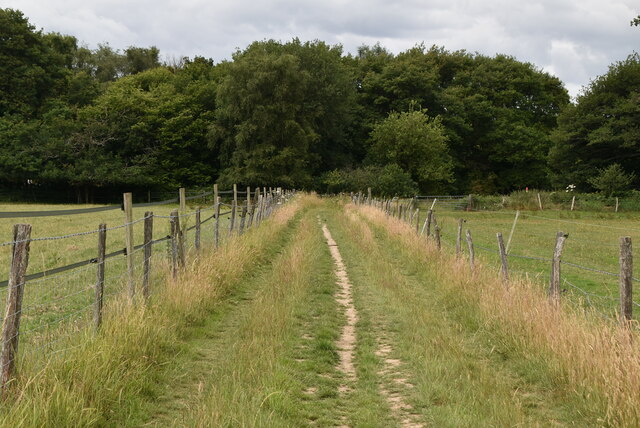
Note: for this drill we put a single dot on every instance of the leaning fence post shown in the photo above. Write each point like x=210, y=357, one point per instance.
x=539, y=202
x=216, y=229
x=573, y=202
x=554, y=283
x=99, y=288
x=471, y=252
x=626, y=279
x=175, y=226
x=503, y=258
x=148, y=244
x=459, y=238
x=11, y=323
x=128, y=212
x=513, y=228
x=429, y=220
x=197, y=226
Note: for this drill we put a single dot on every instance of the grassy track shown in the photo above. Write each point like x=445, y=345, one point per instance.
x=253, y=336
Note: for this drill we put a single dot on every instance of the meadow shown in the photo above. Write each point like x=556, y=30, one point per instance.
x=591, y=252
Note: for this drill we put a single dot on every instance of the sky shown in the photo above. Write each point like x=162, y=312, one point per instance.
x=575, y=40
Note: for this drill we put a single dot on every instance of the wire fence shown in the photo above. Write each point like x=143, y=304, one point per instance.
x=590, y=265
x=64, y=299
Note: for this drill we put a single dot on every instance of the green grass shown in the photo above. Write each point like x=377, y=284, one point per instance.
x=593, y=242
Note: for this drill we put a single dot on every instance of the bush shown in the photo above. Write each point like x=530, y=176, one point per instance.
x=390, y=180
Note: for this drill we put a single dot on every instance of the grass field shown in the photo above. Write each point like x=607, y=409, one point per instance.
x=593, y=243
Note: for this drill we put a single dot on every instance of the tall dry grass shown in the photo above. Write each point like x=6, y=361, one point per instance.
x=600, y=359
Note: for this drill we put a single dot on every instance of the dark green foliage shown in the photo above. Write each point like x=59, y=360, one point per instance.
x=388, y=180
x=417, y=144
x=283, y=111
x=612, y=180
x=600, y=129
x=302, y=114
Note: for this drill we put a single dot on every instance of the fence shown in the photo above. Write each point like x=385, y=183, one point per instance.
x=600, y=277
x=44, y=308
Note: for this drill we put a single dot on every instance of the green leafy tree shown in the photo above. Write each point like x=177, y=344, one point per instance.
x=283, y=111
x=417, y=144
x=601, y=128
x=497, y=112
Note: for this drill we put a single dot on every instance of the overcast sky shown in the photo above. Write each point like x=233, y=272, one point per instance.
x=574, y=39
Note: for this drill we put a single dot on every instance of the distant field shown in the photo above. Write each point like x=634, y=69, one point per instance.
x=593, y=243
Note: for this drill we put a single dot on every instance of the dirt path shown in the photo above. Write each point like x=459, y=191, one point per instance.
x=347, y=341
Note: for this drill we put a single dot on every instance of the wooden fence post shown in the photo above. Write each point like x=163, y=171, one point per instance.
x=437, y=236
x=215, y=193
x=503, y=258
x=617, y=204
x=459, y=238
x=626, y=279
x=573, y=202
x=417, y=221
x=513, y=228
x=469, y=203
x=128, y=212
x=183, y=200
x=99, y=287
x=429, y=220
x=13, y=311
x=243, y=216
x=148, y=244
x=216, y=229
x=554, y=283
x=233, y=217
x=175, y=226
x=247, y=225
x=198, y=226
x=471, y=252
x=539, y=202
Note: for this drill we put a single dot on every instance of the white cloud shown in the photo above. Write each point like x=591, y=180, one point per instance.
x=573, y=39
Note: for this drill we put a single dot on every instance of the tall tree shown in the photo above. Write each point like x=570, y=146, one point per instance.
x=283, y=111
x=601, y=129
x=417, y=144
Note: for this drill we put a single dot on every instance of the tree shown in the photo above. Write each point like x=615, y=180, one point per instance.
x=31, y=68
x=417, y=144
x=283, y=111
x=612, y=180
x=600, y=129
x=497, y=112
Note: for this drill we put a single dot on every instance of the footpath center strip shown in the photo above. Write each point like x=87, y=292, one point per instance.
x=347, y=341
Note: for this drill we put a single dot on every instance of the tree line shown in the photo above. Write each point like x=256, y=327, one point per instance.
x=304, y=115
